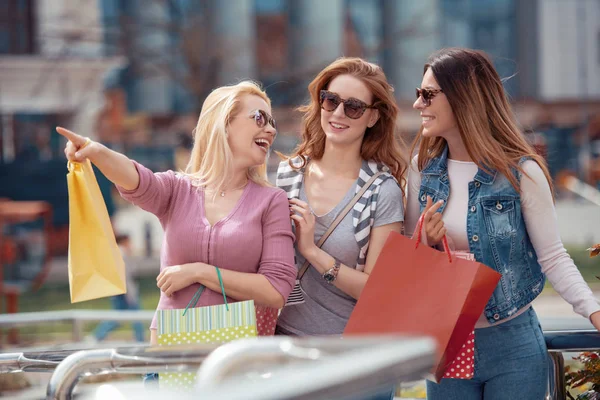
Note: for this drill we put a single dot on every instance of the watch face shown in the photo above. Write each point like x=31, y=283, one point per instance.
x=329, y=277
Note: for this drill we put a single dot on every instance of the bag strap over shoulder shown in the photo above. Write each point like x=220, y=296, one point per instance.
x=339, y=219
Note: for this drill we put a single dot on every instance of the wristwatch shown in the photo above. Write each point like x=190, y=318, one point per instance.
x=331, y=274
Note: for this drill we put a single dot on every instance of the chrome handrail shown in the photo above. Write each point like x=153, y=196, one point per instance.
x=127, y=360
x=558, y=342
x=368, y=364
x=227, y=360
x=76, y=317
x=30, y=362
x=233, y=358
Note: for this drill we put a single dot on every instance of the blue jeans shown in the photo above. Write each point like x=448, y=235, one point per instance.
x=120, y=302
x=387, y=394
x=511, y=362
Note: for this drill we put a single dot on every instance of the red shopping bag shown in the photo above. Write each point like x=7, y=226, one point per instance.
x=419, y=290
x=463, y=366
x=266, y=320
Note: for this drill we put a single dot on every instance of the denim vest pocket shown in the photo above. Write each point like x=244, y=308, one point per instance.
x=500, y=218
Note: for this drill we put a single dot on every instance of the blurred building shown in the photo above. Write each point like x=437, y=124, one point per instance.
x=546, y=51
x=134, y=73
x=179, y=50
x=52, y=69
x=52, y=66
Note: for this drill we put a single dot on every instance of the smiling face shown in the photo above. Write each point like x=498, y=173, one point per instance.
x=249, y=133
x=437, y=118
x=338, y=127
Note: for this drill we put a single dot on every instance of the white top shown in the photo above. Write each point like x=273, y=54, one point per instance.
x=537, y=206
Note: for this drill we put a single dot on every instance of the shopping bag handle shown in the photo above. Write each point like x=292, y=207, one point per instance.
x=444, y=239
x=198, y=293
x=72, y=164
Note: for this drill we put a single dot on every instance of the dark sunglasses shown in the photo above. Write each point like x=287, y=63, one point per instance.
x=262, y=118
x=353, y=108
x=427, y=95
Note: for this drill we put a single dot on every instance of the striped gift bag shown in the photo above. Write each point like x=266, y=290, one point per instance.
x=211, y=324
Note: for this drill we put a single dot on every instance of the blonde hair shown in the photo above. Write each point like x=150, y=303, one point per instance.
x=485, y=119
x=211, y=161
x=380, y=142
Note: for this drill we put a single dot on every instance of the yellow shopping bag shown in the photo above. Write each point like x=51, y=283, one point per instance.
x=96, y=267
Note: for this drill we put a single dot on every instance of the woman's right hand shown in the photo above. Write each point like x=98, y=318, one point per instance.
x=78, y=147
x=115, y=166
x=433, y=226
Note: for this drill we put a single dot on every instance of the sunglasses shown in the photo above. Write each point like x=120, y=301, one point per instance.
x=353, y=108
x=262, y=118
x=427, y=95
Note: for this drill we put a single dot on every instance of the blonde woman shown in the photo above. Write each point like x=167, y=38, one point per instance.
x=220, y=212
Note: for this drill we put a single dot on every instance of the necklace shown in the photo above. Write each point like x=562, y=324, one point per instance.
x=222, y=192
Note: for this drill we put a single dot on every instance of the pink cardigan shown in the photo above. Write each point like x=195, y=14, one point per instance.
x=255, y=237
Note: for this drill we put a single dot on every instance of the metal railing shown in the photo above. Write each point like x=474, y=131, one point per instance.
x=37, y=361
x=79, y=317
x=347, y=368
x=560, y=342
x=562, y=335
x=76, y=317
x=136, y=360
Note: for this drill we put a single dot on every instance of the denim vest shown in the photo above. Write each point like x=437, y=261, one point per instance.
x=497, y=234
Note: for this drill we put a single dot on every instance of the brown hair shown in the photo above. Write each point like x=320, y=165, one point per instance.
x=483, y=114
x=380, y=143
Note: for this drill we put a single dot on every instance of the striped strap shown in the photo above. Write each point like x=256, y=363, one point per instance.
x=290, y=175
x=339, y=218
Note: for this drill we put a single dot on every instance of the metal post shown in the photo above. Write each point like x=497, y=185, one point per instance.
x=583, y=45
x=77, y=329
x=556, y=383
x=8, y=138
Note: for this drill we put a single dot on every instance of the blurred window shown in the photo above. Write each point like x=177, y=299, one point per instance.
x=17, y=27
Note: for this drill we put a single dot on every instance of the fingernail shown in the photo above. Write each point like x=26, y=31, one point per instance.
x=78, y=155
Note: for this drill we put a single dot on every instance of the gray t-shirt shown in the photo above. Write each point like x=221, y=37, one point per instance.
x=326, y=308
